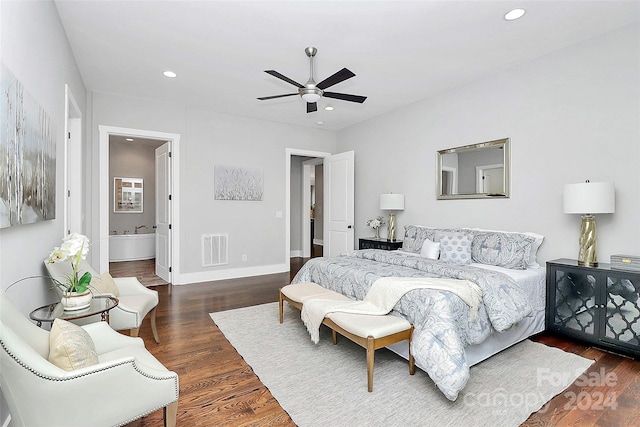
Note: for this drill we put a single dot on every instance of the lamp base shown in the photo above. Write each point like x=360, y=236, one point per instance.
x=587, y=255
x=391, y=229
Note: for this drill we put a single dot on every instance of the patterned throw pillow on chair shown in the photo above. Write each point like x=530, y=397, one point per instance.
x=70, y=346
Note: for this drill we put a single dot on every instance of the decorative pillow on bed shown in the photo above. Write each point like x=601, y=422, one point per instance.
x=455, y=247
x=414, y=237
x=508, y=250
x=430, y=249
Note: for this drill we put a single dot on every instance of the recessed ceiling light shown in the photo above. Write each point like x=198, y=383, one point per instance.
x=514, y=14
x=320, y=123
x=170, y=74
x=130, y=139
x=328, y=108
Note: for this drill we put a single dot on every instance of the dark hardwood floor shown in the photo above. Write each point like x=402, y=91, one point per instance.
x=217, y=388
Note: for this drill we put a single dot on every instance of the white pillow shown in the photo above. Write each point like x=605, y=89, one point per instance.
x=70, y=346
x=430, y=249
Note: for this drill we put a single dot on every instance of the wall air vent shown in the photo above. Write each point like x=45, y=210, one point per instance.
x=215, y=249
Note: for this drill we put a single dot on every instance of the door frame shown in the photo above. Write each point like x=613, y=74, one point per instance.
x=289, y=152
x=73, y=166
x=480, y=170
x=103, y=203
x=307, y=240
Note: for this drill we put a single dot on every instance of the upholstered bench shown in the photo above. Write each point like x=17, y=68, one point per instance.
x=370, y=332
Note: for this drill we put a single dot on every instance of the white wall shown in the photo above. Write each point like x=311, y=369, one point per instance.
x=253, y=228
x=35, y=49
x=571, y=115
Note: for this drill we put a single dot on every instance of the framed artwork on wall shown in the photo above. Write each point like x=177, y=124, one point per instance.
x=232, y=183
x=27, y=156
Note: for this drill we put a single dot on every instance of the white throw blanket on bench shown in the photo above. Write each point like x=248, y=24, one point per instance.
x=383, y=296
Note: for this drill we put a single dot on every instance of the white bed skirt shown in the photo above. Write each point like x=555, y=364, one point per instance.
x=496, y=342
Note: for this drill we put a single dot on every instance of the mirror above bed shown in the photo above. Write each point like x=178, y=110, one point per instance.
x=478, y=171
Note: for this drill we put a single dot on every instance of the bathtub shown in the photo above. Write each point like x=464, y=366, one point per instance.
x=132, y=247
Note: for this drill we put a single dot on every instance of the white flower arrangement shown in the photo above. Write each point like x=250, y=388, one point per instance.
x=74, y=248
x=376, y=223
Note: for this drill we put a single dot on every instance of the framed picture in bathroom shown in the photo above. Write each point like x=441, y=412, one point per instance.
x=128, y=195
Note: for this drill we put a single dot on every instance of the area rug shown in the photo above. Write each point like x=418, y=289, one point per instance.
x=326, y=385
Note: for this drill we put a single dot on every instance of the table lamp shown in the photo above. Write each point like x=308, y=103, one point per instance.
x=391, y=202
x=589, y=198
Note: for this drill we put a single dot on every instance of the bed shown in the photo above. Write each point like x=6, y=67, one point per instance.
x=447, y=340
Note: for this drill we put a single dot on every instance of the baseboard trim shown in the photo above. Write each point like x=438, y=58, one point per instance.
x=318, y=242
x=230, y=273
x=295, y=254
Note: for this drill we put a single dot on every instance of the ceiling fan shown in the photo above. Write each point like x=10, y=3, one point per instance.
x=311, y=92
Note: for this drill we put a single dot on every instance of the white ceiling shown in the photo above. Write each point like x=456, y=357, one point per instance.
x=400, y=51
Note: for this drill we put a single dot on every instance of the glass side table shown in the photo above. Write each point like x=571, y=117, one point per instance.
x=99, y=305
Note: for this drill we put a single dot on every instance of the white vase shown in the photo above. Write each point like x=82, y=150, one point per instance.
x=76, y=300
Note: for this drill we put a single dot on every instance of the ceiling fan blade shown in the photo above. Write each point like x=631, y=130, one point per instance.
x=312, y=107
x=277, y=96
x=338, y=77
x=345, y=97
x=276, y=74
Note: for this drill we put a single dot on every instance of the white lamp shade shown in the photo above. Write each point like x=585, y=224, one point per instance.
x=589, y=198
x=392, y=202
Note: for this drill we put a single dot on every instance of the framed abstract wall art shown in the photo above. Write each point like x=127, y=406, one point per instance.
x=27, y=156
x=237, y=183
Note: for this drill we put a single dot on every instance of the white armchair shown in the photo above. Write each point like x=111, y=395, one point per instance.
x=136, y=300
x=127, y=383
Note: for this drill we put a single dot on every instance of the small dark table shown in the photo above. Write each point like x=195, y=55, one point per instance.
x=379, y=243
x=99, y=305
x=599, y=305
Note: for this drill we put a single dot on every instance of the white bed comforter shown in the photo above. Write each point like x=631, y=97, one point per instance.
x=442, y=321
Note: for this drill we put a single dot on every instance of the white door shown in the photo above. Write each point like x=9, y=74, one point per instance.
x=490, y=179
x=73, y=165
x=338, y=204
x=163, y=212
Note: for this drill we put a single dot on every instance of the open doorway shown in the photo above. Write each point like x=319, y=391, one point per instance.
x=313, y=196
x=169, y=183
x=338, y=201
x=298, y=201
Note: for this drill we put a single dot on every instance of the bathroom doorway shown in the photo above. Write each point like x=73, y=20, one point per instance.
x=137, y=223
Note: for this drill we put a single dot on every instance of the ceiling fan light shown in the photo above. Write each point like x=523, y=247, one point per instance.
x=311, y=97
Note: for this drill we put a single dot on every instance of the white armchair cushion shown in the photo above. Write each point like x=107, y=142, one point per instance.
x=70, y=346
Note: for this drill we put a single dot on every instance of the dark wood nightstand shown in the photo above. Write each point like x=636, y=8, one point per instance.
x=379, y=243
x=599, y=304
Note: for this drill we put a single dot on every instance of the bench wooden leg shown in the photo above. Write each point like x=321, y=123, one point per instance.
x=371, y=351
x=280, y=302
x=334, y=335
